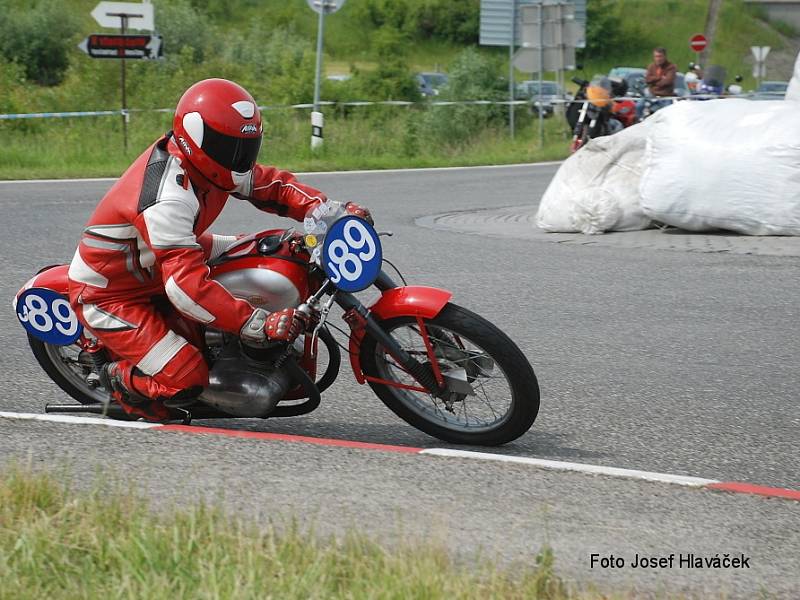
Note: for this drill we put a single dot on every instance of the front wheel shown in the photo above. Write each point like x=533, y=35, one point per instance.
x=493, y=394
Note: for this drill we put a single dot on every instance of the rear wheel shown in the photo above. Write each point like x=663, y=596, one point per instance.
x=493, y=395
x=69, y=368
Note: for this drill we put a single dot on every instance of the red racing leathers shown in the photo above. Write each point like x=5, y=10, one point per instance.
x=146, y=240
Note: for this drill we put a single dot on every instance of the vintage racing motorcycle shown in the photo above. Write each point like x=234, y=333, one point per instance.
x=439, y=367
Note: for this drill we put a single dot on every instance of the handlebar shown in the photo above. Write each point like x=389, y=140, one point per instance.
x=579, y=81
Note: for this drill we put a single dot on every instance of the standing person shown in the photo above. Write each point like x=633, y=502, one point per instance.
x=660, y=80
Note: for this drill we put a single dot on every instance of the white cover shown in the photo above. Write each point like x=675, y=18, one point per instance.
x=597, y=188
x=793, y=91
x=724, y=164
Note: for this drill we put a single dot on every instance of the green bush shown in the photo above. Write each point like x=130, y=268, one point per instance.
x=457, y=22
x=183, y=26
x=472, y=76
x=38, y=38
x=443, y=19
x=392, y=79
x=607, y=31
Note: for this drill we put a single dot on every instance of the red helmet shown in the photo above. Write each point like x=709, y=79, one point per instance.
x=218, y=128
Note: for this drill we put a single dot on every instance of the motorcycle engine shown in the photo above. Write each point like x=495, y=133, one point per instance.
x=239, y=384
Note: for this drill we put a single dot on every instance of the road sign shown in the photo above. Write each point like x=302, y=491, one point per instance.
x=698, y=42
x=554, y=59
x=760, y=53
x=759, y=67
x=138, y=15
x=558, y=28
x=101, y=45
x=331, y=6
x=496, y=17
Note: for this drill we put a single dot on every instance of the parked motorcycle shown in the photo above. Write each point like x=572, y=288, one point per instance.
x=436, y=365
x=599, y=109
x=713, y=82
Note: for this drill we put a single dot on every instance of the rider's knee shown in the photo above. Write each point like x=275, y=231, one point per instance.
x=187, y=369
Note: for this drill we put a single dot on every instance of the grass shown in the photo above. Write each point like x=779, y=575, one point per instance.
x=363, y=139
x=60, y=543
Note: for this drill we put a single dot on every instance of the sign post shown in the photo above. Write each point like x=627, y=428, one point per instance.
x=321, y=7
x=697, y=43
x=126, y=15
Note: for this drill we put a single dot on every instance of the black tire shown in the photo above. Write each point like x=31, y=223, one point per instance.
x=334, y=360
x=45, y=361
x=516, y=368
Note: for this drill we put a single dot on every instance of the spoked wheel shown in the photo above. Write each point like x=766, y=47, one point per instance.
x=492, y=397
x=69, y=369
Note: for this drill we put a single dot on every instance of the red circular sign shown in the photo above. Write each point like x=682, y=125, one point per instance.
x=698, y=42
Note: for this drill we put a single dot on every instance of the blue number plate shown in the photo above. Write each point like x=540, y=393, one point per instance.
x=47, y=316
x=351, y=254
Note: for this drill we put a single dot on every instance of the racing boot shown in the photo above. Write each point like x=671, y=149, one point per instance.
x=117, y=380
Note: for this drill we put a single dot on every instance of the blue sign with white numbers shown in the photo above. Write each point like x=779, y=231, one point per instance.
x=47, y=316
x=351, y=254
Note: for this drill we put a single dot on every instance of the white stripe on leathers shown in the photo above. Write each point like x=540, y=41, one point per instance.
x=159, y=355
x=99, y=319
x=184, y=303
x=82, y=273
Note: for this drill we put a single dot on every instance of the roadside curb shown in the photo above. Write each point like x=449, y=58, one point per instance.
x=589, y=469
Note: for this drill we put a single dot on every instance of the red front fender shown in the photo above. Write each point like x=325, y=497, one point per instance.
x=409, y=301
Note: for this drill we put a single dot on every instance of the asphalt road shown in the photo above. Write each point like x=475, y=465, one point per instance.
x=678, y=362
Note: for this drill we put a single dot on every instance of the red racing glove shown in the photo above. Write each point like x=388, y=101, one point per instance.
x=285, y=325
x=359, y=211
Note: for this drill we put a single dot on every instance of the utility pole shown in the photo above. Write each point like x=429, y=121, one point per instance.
x=322, y=8
x=712, y=17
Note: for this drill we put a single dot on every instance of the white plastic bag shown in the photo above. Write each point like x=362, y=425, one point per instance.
x=793, y=91
x=597, y=188
x=724, y=164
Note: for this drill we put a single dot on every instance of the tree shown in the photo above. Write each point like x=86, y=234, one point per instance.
x=38, y=39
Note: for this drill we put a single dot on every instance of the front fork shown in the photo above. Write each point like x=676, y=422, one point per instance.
x=363, y=323
x=358, y=316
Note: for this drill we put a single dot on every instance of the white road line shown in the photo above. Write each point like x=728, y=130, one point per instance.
x=309, y=173
x=579, y=467
x=78, y=420
x=445, y=452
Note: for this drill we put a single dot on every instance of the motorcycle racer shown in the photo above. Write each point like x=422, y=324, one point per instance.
x=147, y=243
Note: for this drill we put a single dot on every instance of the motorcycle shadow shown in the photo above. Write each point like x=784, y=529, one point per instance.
x=538, y=444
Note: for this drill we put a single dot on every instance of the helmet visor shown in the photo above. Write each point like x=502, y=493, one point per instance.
x=234, y=153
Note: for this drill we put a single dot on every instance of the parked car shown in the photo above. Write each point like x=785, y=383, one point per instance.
x=771, y=90
x=430, y=83
x=543, y=95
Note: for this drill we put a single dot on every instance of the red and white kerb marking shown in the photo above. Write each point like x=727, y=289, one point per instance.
x=695, y=482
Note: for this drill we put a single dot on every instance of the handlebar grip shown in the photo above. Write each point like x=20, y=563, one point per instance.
x=579, y=81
